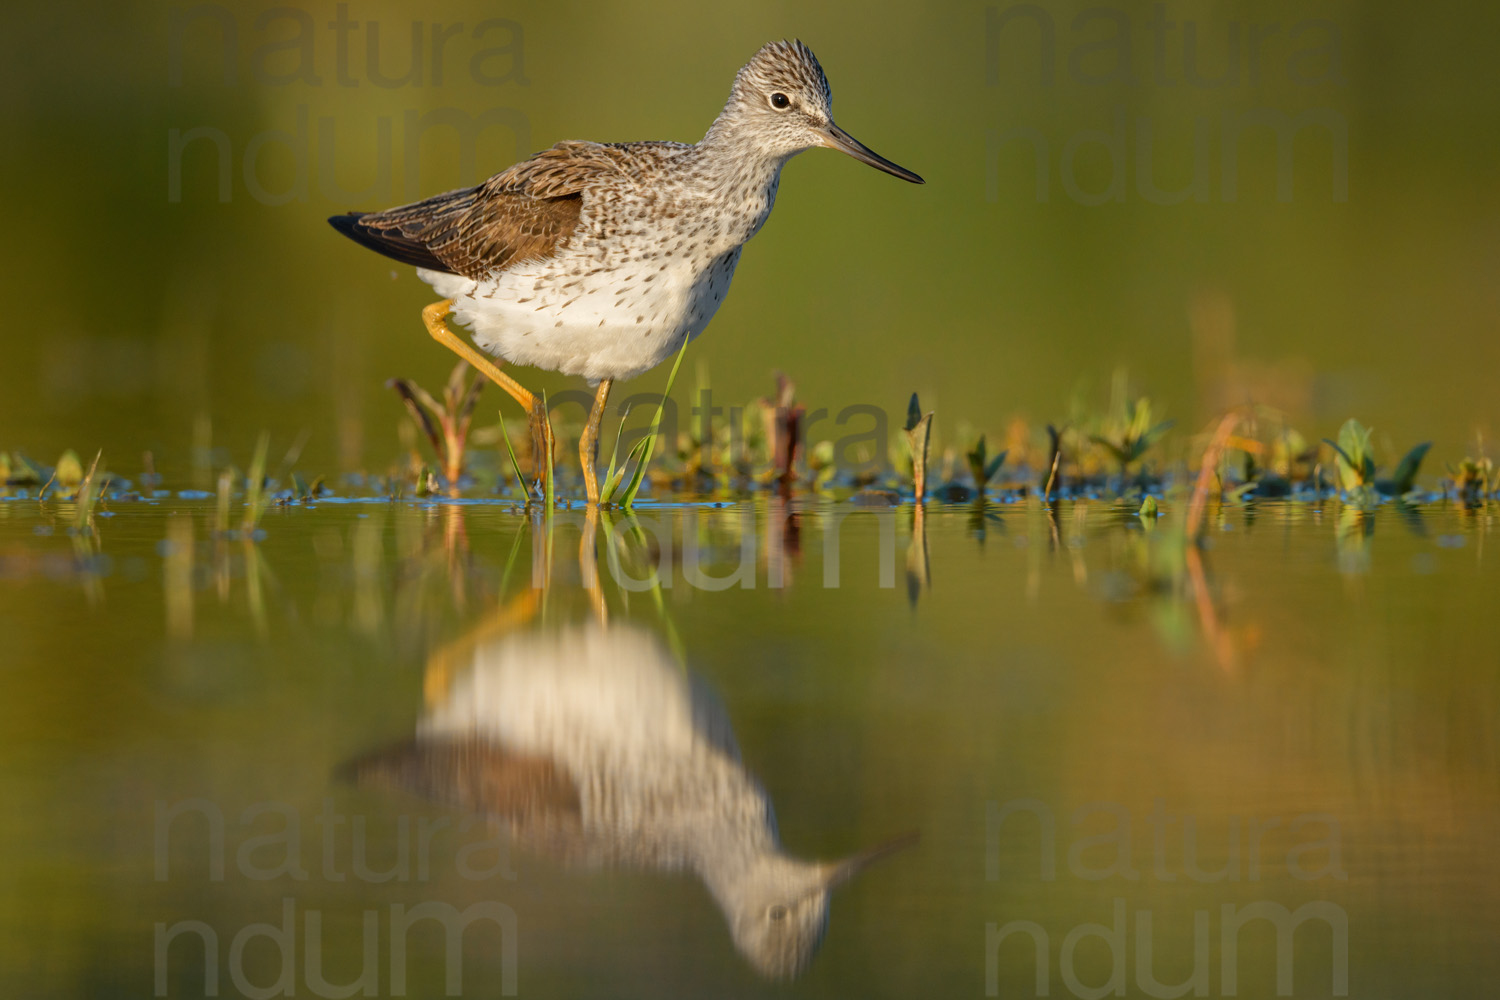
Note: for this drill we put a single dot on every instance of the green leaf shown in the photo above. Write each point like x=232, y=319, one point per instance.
x=913, y=414
x=1405, y=476
x=994, y=466
x=1121, y=455
x=976, y=459
x=69, y=470
x=1155, y=434
x=1356, y=467
x=25, y=472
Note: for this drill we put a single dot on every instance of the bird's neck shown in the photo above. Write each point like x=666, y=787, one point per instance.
x=740, y=177
x=729, y=150
x=732, y=870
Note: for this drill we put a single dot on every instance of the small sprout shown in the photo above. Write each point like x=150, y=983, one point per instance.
x=1405, y=476
x=1474, y=478
x=446, y=423
x=302, y=492
x=514, y=462
x=255, y=486
x=783, y=421
x=918, y=437
x=1148, y=509
x=822, y=465
x=89, y=492
x=1291, y=456
x=1356, y=465
x=1054, y=461
x=641, y=453
x=616, y=472
x=25, y=472
x=69, y=472
x=981, y=467
x=1133, y=434
x=221, y=508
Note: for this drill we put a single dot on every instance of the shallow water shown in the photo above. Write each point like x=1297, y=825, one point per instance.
x=1087, y=724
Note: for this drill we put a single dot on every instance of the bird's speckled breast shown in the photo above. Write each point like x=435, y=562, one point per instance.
x=646, y=268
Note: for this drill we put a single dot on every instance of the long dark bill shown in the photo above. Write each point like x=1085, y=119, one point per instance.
x=837, y=138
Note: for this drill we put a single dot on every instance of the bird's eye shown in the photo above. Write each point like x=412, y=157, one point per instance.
x=778, y=912
x=780, y=101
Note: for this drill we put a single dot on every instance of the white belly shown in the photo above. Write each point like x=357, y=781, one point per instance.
x=573, y=696
x=612, y=323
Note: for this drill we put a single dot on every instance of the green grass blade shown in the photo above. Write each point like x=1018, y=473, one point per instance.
x=612, y=477
x=649, y=441
x=515, y=464
x=255, y=484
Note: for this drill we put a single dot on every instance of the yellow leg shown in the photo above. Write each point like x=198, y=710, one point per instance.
x=588, y=444
x=447, y=662
x=588, y=565
x=435, y=316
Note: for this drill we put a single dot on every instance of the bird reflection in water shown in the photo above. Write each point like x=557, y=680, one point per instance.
x=593, y=747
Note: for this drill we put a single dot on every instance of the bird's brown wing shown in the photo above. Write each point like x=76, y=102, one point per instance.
x=473, y=776
x=527, y=212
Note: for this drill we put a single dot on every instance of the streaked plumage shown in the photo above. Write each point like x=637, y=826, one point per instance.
x=597, y=259
x=592, y=746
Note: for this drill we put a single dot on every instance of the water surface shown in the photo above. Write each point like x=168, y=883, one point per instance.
x=1086, y=722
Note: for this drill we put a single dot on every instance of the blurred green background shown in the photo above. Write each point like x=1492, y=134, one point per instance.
x=136, y=307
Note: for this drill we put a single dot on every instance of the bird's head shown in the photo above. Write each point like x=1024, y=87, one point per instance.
x=778, y=909
x=781, y=104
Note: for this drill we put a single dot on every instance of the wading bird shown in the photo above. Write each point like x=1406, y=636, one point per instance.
x=592, y=746
x=602, y=259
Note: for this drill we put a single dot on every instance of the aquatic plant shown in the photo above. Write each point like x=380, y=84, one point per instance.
x=1405, y=477
x=446, y=423
x=302, y=492
x=783, y=421
x=641, y=453
x=19, y=470
x=918, y=438
x=69, y=471
x=1473, y=478
x=515, y=463
x=1130, y=433
x=981, y=466
x=90, y=489
x=1356, y=463
x=255, y=486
